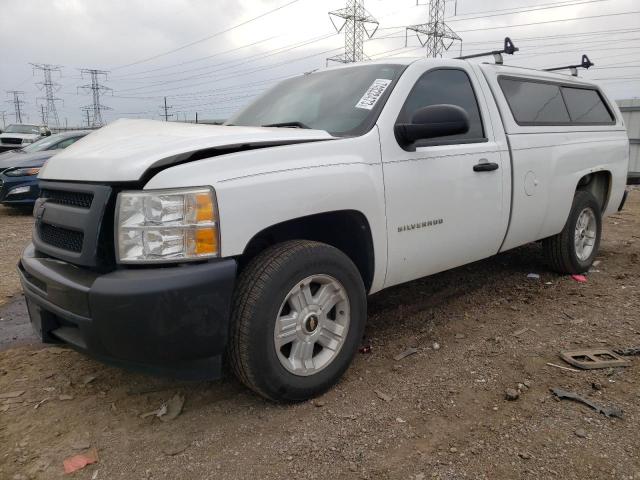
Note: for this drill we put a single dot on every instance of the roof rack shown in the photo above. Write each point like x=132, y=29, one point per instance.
x=585, y=63
x=509, y=48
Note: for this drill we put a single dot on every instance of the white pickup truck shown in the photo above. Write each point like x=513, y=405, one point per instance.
x=174, y=247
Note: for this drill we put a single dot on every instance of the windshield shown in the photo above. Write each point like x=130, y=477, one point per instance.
x=345, y=101
x=32, y=129
x=42, y=144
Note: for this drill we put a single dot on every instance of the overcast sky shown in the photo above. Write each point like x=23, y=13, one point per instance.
x=218, y=75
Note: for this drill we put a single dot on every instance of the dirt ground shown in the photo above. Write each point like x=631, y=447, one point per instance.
x=439, y=413
x=15, y=231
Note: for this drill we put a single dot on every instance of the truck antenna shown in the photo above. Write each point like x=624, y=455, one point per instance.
x=509, y=48
x=585, y=63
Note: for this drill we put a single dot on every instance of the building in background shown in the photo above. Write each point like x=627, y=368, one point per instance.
x=631, y=113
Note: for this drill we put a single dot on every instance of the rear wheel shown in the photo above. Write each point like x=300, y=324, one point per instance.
x=573, y=250
x=298, y=316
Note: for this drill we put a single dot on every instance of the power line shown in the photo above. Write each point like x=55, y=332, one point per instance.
x=533, y=9
x=209, y=37
x=50, y=112
x=96, y=89
x=356, y=19
x=439, y=35
x=17, y=104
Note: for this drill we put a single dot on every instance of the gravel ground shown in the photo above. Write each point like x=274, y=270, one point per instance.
x=439, y=413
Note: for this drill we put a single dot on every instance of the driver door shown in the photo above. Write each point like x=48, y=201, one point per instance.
x=441, y=211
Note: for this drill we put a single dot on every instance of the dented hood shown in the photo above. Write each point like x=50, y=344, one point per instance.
x=125, y=149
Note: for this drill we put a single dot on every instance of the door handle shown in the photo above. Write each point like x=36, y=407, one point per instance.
x=485, y=166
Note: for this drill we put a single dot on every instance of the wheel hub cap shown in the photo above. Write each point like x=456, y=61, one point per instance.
x=585, y=234
x=312, y=325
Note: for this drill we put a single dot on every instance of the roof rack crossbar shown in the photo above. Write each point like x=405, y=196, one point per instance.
x=584, y=63
x=509, y=48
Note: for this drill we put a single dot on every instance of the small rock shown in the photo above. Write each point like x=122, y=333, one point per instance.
x=81, y=445
x=383, y=396
x=318, y=403
x=396, y=367
x=460, y=336
x=65, y=397
x=527, y=383
x=511, y=394
x=596, y=386
x=524, y=455
x=175, y=449
x=400, y=420
x=453, y=450
x=580, y=432
x=436, y=346
x=353, y=467
x=87, y=379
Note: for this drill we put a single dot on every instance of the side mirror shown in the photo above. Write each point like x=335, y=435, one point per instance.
x=433, y=121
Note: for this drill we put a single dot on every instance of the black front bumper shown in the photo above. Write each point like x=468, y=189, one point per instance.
x=171, y=320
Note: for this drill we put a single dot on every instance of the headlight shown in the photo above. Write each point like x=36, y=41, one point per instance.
x=166, y=225
x=22, y=172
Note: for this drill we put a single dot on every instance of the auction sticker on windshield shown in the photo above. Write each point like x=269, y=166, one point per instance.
x=373, y=93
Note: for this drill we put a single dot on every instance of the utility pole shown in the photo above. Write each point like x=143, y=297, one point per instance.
x=17, y=104
x=357, y=25
x=50, y=88
x=86, y=110
x=4, y=123
x=166, y=109
x=439, y=35
x=196, y=117
x=96, y=89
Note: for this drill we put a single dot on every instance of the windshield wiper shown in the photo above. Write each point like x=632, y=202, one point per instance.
x=288, y=125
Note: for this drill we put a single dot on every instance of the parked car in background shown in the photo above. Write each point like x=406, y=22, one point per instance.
x=20, y=135
x=19, y=168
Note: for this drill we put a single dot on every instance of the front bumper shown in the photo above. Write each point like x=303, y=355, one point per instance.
x=172, y=320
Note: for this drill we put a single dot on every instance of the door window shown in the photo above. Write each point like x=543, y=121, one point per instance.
x=445, y=86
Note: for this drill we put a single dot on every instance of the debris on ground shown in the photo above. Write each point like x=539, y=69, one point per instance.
x=562, y=368
x=11, y=394
x=627, y=352
x=511, y=394
x=65, y=397
x=365, y=348
x=580, y=432
x=80, y=461
x=592, y=359
x=533, y=276
x=406, y=353
x=606, y=411
x=87, y=379
x=169, y=410
x=383, y=396
x=517, y=333
x=579, y=278
x=175, y=448
x=435, y=346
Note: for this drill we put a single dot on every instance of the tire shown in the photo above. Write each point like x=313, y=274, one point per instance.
x=270, y=294
x=561, y=250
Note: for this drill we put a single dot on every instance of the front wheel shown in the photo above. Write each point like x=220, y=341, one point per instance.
x=573, y=250
x=298, y=316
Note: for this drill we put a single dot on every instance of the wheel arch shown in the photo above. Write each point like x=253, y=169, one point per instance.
x=599, y=185
x=347, y=230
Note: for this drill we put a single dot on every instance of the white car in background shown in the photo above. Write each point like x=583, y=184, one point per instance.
x=21, y=134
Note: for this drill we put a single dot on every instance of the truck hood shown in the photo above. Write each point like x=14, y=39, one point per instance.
x=126, y=149
x=20, y=159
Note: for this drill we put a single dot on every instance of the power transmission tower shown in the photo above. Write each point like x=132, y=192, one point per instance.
x=96, y=108
x=357, y=25
x=4, y=123
x=166, y=109
x=43, y=115
x=50, y=88
x=439, y=35
x=17, y=104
